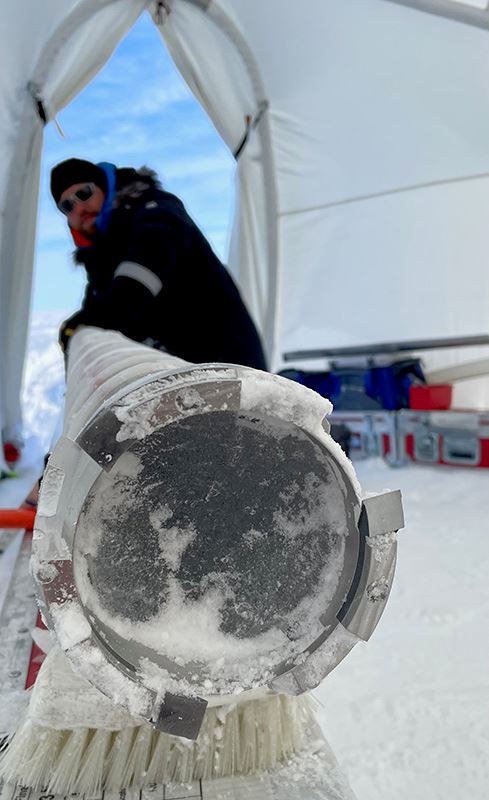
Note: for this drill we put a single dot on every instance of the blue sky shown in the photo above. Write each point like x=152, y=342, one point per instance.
x=138, y=110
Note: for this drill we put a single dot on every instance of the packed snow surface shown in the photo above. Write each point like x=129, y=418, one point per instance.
x=407, y=714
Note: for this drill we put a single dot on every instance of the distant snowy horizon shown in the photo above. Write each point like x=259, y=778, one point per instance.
x=44, y=378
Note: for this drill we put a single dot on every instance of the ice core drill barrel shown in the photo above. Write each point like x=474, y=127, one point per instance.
x=200, y=537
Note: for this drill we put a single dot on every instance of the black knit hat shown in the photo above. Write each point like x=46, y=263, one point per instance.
x=75, y=170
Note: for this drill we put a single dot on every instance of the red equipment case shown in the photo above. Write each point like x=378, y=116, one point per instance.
x=453, y=438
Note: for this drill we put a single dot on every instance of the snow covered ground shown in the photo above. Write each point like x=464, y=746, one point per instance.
x=42, y=402
x=43, y=387
x=408, y=713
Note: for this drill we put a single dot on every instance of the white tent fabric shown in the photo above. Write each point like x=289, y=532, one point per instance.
x=375, y=141
x=363, y=169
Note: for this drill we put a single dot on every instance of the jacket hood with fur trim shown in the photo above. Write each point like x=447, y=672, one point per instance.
x=132, y=186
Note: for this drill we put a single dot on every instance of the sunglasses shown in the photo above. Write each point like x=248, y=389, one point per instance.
x=81, y=195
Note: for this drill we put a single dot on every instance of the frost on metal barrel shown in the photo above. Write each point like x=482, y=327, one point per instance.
x=206, y=532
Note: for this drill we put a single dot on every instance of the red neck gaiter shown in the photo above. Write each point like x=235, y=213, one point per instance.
x=80, y=240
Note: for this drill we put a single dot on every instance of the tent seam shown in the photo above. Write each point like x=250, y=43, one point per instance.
x=377, y=195
x=452, y=10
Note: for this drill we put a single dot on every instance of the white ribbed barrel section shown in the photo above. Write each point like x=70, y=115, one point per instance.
x=200, y=538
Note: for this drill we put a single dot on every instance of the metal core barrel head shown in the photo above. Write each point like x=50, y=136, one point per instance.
x=208, y=528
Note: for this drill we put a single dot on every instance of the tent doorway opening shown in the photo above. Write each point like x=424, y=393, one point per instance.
x=136, y=111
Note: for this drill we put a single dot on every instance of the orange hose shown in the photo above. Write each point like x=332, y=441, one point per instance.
x=17, y=518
